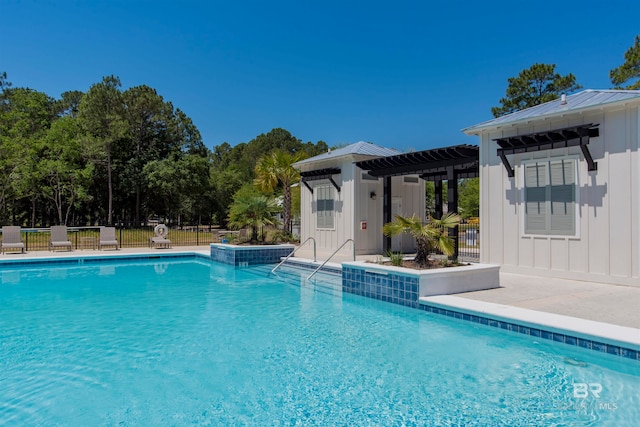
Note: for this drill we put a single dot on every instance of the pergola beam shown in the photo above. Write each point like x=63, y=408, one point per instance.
x=575, y=136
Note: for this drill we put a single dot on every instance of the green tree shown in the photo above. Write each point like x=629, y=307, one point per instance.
x=429, y=236
x=63, y=175
x=69, y=103
x=629, y=70
x=146, y=118
x=251, y=209
x=469, y=197
x=224, y=185
x=24, y=120
x=276, y=171
x=178, y=185
x=4, y=90
x=535, y=85
x=101, y=117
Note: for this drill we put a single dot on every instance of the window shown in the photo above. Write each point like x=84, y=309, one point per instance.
x=411, y=179
x=325, y=207
x=550, y=197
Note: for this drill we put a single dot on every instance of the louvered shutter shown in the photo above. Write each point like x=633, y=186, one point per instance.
x=536, y=202
x=563, y=198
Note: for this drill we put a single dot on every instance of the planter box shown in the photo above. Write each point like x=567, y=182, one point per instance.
x=405, y=285
x=243, y=256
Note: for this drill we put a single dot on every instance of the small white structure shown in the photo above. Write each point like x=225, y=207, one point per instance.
x=560, y=188
x=340, y=201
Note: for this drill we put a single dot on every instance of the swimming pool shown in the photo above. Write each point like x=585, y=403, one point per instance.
x=192, y=342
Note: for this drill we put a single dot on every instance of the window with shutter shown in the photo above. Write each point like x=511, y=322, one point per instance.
x=324, y=203
x=550, y=197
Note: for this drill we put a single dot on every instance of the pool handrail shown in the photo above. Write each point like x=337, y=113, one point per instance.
x=295, y=250
x=331, y=256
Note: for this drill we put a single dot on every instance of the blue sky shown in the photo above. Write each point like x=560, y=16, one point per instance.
x=403, y=74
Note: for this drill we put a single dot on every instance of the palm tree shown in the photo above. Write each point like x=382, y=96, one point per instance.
x=250, y=210
x=428, y=236
x=274, y=170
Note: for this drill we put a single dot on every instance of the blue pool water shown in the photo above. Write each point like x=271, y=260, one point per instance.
x=190, y=342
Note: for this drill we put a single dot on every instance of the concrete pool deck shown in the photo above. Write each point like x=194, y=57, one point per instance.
x=595, y=302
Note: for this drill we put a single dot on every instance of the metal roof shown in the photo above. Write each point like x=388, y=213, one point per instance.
x=584, y=100
x=359, y=148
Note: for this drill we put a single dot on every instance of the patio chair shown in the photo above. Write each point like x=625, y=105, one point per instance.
x=160, y=239
x=216, y=236
x=11, y=238
x=59, y=238
x=107, y=237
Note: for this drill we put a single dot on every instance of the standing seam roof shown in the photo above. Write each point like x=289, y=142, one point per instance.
x=582, y=100
x=359, y=148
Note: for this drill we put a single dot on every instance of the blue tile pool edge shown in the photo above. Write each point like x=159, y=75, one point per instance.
x=95, y=259
x=526, y=328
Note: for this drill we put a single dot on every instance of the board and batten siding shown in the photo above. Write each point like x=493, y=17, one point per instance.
x=342, y=228
x=606, y=247
x=353, y=204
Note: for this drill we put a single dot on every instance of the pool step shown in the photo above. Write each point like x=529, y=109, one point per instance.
x=297, y=276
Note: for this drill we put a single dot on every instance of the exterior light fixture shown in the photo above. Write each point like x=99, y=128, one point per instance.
x=372, y=195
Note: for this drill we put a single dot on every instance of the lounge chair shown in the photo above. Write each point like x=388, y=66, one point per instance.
x=59, y=238
x=160, y=239
x=107, y=237
x=11, y=238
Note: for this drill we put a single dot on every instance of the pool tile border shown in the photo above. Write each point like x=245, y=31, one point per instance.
x=243, y=256
x=101, y=258
x=398, y=288
x=536, y=331
x=394, y=287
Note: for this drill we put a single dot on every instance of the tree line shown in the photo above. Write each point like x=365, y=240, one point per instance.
x=113, y=156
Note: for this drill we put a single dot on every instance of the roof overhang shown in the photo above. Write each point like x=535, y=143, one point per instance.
x=432, y=165
x=573, y=136
x=319, y=174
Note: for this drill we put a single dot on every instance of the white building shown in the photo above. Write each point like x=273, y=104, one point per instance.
x=560, y=188
x=340, y=201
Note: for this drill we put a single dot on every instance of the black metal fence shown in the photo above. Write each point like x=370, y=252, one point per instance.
x=37, y=239
x=469, y=242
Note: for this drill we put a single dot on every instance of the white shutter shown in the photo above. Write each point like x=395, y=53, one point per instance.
x=563, y=197
x=329, y=206
x=536, y=201
x=325, y=206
